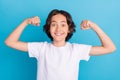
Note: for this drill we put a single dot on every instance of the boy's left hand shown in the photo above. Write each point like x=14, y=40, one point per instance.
x=86, y=24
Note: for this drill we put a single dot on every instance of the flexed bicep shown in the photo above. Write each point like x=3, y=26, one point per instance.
x=13, y=39
x=107, y=46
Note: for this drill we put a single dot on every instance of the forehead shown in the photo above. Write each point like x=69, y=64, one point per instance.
x=58, y=17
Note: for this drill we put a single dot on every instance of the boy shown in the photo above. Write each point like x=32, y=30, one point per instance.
x=60, y=59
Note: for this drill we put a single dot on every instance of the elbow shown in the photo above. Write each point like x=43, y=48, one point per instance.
x=8, y=43
x=112, y=49
x=109, y=49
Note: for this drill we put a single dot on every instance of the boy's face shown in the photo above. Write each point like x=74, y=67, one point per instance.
x=59, y=28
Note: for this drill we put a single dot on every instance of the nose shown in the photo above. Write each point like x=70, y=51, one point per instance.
x=58, y=28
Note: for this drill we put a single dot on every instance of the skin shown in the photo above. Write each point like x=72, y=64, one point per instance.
x=59, y=29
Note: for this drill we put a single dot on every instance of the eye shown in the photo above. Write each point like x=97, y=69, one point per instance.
x=63, y=25
x=53, y=25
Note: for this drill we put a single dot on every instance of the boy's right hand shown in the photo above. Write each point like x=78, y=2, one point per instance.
x=33, y=20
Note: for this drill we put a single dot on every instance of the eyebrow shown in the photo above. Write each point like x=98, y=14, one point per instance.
x=61, y=21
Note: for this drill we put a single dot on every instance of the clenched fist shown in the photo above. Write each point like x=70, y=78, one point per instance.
x=34, y=20
x=86, y=24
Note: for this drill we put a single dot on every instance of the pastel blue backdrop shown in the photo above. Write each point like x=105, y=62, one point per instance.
x=16, y=65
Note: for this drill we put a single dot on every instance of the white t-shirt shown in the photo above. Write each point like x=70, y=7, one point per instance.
x=58, y=63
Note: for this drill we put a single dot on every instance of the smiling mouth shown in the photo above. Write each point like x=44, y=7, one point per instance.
x=58, y=34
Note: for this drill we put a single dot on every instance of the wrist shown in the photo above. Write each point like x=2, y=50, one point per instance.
x=26, y=22
x=94, y=26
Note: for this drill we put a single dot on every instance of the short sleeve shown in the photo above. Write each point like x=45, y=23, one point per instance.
x=82, y=51
x=35, y=49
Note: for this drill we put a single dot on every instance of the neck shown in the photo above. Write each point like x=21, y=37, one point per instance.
x=59, y=44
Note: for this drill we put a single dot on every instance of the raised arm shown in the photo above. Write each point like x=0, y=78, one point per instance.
x=13, y=38
x=107, y=46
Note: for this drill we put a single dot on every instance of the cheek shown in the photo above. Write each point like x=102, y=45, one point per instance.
x=51, y=31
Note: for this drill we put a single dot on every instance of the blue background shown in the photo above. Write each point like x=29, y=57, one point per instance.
x=16, y=65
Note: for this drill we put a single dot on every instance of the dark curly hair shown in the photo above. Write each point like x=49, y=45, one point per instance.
x=69, y=22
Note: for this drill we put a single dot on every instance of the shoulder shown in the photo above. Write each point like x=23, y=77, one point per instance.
x=77, y=46
x=38, y=44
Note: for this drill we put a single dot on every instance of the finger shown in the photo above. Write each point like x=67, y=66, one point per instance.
x=33, y=21
x=37, y=20
x=83, y=23
x=37, y=24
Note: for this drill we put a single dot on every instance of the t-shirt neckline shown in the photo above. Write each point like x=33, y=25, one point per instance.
x=60, y=46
